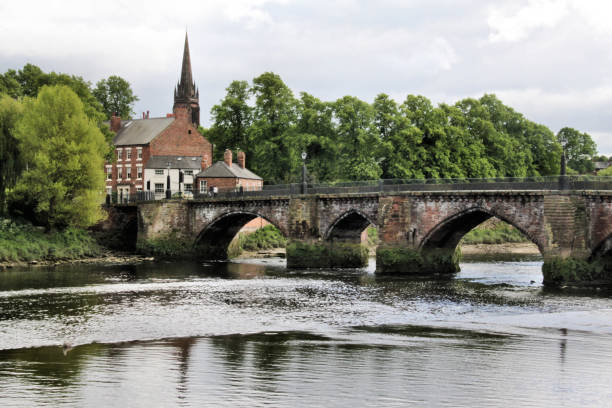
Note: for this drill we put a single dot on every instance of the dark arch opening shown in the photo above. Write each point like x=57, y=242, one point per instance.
x=213, y=242
x=448, y=234
x=348, y=227
x=602, y=250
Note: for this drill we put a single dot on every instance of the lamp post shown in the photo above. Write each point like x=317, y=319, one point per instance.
x=563, y=182
x=304, y=183
x=168, y=192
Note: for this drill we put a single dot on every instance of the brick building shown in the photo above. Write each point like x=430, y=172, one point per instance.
x=143, y=145
x=226, y=175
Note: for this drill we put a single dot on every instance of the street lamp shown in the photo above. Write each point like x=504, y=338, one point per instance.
x=168, y=192
x=304, y=184
x=563, y=181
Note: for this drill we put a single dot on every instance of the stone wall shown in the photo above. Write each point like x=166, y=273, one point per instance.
x=417, y=228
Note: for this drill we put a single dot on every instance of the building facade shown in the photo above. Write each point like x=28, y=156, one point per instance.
x=228, y=176
x=144, y=147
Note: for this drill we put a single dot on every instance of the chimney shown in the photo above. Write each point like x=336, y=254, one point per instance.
x=227, y=157
x=147, y=114
x=115, y=123
x=143, y=115
x=241, y=159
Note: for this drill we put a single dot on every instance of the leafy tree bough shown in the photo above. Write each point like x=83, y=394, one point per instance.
x=349, y=139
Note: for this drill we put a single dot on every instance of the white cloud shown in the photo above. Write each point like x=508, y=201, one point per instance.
x=511, y=25
x=603, y=141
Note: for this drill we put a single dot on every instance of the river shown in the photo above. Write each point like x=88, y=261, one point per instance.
x=254, y=334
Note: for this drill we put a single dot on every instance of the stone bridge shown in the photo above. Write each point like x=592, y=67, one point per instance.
x=419, y=231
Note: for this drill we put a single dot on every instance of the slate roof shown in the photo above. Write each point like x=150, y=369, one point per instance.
x=140, y=131
x=176, y=162
x=222, y=170
x=601, y=165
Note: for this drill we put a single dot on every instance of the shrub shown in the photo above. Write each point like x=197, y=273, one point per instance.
x=21, y=241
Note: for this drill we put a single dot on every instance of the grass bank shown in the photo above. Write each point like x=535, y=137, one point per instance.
x=268, y=237
x=23, y=242
x=494, y=232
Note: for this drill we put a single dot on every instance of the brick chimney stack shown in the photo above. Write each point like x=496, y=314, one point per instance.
x=227, y=157
x=115, y=123
x=241, y=159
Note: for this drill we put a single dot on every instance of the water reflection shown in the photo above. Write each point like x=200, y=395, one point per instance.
x=380, y=365
x=255, y=334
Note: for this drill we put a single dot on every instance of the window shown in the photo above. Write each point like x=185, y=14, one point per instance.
x=119, y=154
x=138, y=188
x=159, y=187
x=202, y=186
x=128, y=154
x=139, y=153
x=119, y=173
x=139, y=172
x=189, y=172
x=109, y=190
x=109, y=173
x=159, y=172
x=128, y=173
x=189, y=187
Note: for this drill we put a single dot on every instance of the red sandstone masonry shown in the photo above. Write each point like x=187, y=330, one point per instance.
x=409, y=219
x=181, y=138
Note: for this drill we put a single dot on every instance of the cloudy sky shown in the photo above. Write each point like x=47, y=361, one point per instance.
x=549, y=59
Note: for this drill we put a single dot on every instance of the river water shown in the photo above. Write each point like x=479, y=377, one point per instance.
x=256, y=334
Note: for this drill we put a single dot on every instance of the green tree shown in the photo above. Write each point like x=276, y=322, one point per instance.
x=274, y=116
x=10, y=158
x=232, y=119
x=315, y=134
x=356, y=136
x=9, y=84
x=28, y=81
x=63, y=151
x=116, y=96
x=401, y=149
x=579, y=148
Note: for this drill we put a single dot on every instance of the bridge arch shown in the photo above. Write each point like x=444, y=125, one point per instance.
x=348, y=226
x=603, y=249
x=213, y=241
x=448, y=233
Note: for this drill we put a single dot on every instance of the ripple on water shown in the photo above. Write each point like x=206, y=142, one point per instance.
x=244, y=334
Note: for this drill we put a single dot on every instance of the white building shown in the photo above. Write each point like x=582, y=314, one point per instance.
x=158, y=167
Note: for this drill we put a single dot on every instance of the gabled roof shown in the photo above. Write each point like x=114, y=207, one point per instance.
x=176, y=162
x=140, y=131
x=222, y=170
x=601, y=165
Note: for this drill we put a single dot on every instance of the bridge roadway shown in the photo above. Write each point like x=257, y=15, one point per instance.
x=419, y=230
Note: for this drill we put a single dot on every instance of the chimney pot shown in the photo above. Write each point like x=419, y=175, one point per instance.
x=115, y=123
x=227, y=157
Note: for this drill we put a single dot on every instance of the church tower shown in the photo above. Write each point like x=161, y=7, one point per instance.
x=186, y=95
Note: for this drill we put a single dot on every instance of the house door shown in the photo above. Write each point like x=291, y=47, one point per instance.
x=123, y=193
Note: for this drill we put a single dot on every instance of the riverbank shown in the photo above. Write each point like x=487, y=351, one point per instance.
x=516, y=248
x=106, y=257
x=22, y=244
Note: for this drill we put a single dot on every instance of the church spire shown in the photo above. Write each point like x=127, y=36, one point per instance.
x=186, y=93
